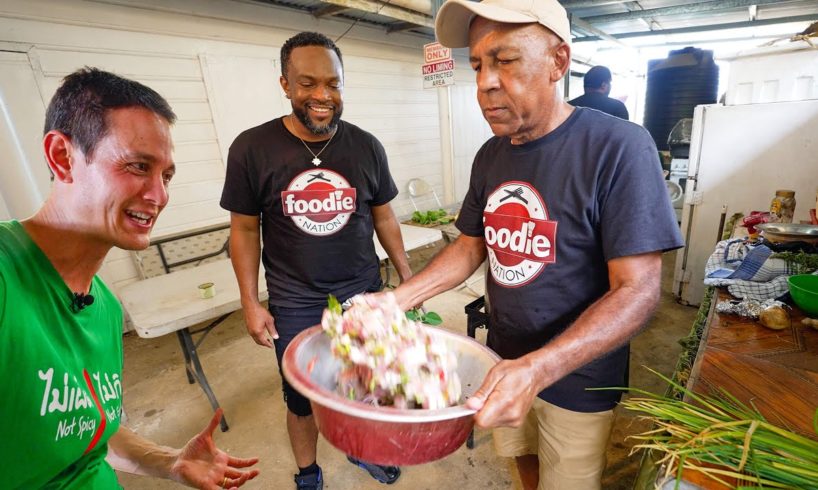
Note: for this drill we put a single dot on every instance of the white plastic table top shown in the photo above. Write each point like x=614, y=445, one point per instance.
x=171, y=302
x=413, y=237
x=164, y=304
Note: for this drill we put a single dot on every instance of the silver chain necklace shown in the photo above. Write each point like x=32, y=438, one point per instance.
x=315, y=160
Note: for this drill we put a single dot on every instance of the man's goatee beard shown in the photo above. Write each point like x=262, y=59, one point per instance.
x=318, y=130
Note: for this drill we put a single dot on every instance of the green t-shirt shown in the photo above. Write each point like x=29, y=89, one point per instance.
x=62, y=372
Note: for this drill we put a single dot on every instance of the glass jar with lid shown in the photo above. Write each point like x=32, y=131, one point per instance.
x=782, y=206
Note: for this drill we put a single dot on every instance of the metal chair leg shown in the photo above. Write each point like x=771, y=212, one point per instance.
x=190, y=379
x=475, y=318
x=194, y=368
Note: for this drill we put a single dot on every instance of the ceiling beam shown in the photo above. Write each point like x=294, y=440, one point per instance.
x=661, y=44
x=581, y=4
x=650, y=22
x=712, y=27
x=327, y=10
x=380, y=8
x=691, y=8
x=400, y=26
x=576, y=21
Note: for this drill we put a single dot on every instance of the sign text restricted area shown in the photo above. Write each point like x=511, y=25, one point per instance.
x=438, y=74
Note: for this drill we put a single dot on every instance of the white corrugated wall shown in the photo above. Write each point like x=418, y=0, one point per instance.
x=216, y=61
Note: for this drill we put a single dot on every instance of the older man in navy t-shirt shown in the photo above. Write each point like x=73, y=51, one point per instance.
x=569, y=206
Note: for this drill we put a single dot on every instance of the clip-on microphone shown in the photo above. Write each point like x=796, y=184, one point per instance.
x=80, y=301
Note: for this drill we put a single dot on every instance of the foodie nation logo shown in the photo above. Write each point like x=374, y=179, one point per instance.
x=519, y=237
x=319, y=202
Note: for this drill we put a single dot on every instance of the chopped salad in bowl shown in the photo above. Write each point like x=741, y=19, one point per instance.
x=388, y=359
x=380, y=434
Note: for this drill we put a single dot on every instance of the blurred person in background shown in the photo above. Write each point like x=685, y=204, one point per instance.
x=597, y=84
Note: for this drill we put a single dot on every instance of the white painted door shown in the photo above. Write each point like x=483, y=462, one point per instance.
x=243, y=92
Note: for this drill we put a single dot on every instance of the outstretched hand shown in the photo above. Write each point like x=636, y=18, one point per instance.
x=200, y=464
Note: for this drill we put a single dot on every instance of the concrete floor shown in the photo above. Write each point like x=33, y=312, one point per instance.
x=160, y=405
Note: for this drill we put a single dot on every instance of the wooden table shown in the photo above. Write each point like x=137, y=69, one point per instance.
x=774, y=370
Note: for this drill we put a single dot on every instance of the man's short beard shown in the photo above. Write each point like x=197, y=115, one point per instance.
x=301, y=114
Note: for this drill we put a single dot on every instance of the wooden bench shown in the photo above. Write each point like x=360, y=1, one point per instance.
x=167, y=299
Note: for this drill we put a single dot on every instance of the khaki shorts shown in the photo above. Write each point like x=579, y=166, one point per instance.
x=569, y=445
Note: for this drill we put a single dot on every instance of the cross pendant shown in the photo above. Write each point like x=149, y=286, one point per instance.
x=316, y=161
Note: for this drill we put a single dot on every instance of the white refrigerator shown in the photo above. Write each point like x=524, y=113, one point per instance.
x=739, y=156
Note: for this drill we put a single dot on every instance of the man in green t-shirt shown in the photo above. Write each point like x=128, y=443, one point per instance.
x=107, y=143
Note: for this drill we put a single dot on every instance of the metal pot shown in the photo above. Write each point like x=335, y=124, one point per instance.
x=789, y=232
x=384, y=435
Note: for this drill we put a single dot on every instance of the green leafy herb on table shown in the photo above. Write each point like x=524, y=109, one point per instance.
x=429, y=318
x=799, y=262
x=431, y=217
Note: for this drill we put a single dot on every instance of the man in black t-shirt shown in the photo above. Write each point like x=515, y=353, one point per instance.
x=570, y=209
x=312, y=188
x=597, y=84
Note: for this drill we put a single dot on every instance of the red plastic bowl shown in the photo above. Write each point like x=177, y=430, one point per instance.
x=384, y=435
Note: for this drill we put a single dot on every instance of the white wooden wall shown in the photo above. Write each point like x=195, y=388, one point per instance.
x=24, y=177
x=216, y=61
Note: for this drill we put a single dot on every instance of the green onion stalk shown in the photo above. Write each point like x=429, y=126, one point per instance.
x=724, y=439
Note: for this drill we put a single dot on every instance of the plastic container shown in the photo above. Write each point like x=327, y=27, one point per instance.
x=804, y=292
x=675, y=86
x=207, y=290
x=814, y=214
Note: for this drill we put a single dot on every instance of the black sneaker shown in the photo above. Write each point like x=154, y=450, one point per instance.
x=313, y=481
x=384, y=474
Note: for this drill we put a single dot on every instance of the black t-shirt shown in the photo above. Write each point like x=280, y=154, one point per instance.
x=552, y=213
x=601, y=102
x=316, y=221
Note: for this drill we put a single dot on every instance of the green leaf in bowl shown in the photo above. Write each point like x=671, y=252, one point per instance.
x=432, y=318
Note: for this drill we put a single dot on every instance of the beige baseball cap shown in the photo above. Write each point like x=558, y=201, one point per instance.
x=455, y=16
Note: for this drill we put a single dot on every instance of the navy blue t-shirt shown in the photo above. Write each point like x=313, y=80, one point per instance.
x=601, y=102
x=552, y=213
x=316, y=221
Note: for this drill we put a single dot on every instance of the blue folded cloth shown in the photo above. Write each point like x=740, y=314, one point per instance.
x=747, y=270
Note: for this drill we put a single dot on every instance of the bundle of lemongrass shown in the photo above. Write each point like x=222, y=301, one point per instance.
x=724, y=439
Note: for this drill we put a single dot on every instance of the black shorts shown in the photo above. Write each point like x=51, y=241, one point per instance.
x=290, y=322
